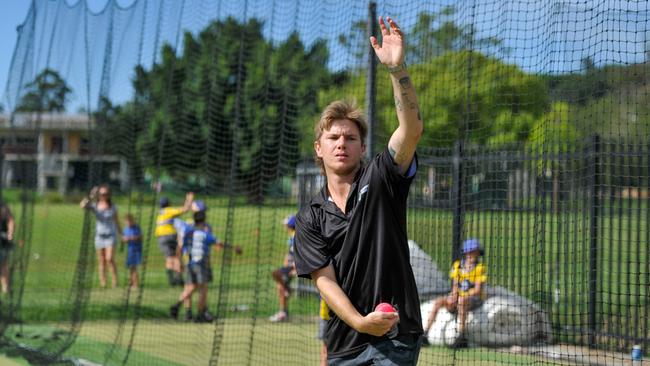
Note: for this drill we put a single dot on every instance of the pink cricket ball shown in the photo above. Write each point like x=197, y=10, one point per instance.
x=385, y=307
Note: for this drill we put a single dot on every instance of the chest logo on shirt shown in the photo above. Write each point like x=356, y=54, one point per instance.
x=363, y=190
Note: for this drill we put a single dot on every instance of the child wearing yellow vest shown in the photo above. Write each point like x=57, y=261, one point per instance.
x=468, y=277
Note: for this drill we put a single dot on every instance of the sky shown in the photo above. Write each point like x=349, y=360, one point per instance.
x=555, y=38
x=12, y=15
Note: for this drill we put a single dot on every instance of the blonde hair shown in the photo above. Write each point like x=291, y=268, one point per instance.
x=337, y=110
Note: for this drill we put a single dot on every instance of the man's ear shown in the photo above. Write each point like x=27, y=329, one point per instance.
x=363, y=149
x=317, y=149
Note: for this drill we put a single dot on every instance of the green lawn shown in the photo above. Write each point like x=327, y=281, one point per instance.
x=245, y=341
x=544, y=258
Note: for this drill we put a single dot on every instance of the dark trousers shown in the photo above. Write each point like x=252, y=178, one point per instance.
x=404, y=350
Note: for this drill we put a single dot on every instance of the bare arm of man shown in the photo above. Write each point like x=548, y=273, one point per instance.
x=375, y=323
x=405, y=138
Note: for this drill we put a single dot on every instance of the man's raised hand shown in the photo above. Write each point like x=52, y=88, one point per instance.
x=391, y=50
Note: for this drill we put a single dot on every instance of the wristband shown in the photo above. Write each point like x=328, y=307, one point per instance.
x=394, y=69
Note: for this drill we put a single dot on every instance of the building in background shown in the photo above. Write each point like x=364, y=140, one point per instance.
x=53, y=151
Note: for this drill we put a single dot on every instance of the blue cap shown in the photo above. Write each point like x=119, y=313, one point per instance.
x=164, y=202
x=471, y=245
x=198, y=206
x=290, y=221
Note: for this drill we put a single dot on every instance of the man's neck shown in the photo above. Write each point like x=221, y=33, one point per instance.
x=338, y=187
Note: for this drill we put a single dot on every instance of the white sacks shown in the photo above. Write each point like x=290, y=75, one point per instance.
x=504, y=319
x=444, y=330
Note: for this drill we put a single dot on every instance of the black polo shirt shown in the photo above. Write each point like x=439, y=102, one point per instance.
x=367, y=247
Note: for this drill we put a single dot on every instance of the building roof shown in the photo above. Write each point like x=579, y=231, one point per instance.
x=46, y=121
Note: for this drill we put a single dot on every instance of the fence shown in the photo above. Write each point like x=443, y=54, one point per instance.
x=568, y=230
x=217, y=97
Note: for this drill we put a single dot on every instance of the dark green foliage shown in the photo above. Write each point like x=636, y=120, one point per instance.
x=231, y=93
x=610, y=100
x=48, y=92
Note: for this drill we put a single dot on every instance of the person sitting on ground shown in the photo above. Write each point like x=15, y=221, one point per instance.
x=283, y=275
x=468, y=277
x=166, y=236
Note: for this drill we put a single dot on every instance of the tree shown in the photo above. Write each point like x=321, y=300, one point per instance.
x=48, y=92
x=433, y=34
x=427, y=40
x=492, y=103
x=552, y=136
x=231, y=102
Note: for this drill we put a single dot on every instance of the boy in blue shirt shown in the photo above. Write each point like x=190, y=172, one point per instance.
x=195, y=250
x=132, y=235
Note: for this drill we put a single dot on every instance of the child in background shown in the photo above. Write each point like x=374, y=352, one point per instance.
x=133, y=237
x=283, y=275
x=167, y=236
x=324, y=317
x=197, y=241
x=468, y=277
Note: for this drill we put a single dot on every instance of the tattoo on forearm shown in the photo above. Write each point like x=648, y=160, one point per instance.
x=405, y=82
x=398, y=104
x=405, y=100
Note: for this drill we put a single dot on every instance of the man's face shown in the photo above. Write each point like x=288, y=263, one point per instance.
x=340, y=147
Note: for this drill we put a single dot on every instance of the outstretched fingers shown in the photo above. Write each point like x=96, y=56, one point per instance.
x=382, y=26
x=374, y=43
x=393, y=26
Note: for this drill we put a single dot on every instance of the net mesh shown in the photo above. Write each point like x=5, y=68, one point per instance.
x=536, y=142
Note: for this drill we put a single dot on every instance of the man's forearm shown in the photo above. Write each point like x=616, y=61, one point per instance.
x=406, y=103
x=335, y=298
x=406, y=100
x=404, y=140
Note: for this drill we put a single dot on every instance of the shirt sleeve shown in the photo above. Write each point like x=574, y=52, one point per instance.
x=186, y=237
x=179, y=225
x=210, y=238
x=453, y=274
x=174, y=211
x=399, y=183
x=310, y=249
x=481, y=273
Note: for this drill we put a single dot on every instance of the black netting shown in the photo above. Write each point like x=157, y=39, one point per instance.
x=536, y=141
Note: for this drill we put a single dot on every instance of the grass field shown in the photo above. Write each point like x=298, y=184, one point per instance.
x=541, y=258
x=245, y=342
